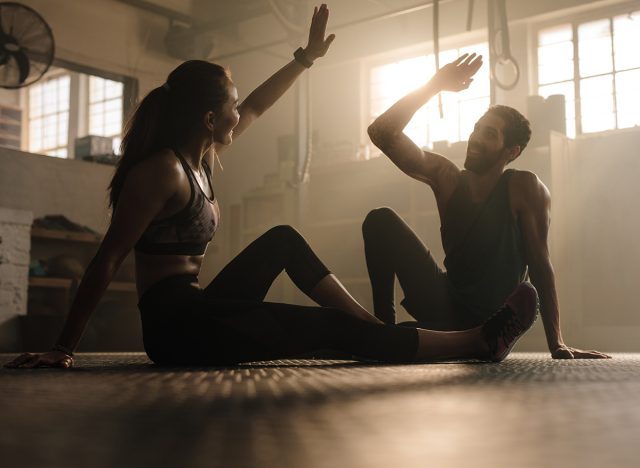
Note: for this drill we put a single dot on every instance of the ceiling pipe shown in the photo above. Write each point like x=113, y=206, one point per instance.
x=160, y=10
x=368, y=19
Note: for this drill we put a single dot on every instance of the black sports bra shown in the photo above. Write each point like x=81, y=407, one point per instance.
x=188, y=231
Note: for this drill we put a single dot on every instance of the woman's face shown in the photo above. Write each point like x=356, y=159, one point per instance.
x=226, y=120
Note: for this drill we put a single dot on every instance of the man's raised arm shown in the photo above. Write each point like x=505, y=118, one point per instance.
x=386, y=132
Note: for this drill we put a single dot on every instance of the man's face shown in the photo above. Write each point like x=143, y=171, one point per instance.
x=486, y=145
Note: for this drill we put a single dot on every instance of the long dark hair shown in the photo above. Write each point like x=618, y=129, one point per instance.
x=168, y=115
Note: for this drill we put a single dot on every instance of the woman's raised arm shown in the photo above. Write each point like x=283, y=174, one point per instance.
x=265, y=95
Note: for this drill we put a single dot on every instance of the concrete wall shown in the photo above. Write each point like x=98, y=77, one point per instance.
x=15, y=226
x=46, y=185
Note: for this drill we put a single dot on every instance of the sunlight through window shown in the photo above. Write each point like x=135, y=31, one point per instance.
x=391, y=81
x=607, y=72
x=49, y=116
x=105, y=109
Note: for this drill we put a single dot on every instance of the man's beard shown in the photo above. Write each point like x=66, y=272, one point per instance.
x=480, y=163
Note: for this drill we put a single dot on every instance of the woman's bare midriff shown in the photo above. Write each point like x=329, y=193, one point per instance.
x=152, y=268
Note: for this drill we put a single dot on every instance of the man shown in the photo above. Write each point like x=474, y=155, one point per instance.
x=494, y=222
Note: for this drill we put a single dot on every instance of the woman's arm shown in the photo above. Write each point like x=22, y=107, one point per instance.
x=148, y=188
x=265, y=95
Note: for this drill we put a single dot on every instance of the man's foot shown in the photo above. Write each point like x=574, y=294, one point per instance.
x=511, y=321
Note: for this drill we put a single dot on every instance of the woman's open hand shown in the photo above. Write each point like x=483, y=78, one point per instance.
x=49, y=359
x=317, y=45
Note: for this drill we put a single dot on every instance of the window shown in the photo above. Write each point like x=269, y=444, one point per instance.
x=595, y=65
x=105, y=108
x=70, y=103
x=390, y=81
x=49, y=116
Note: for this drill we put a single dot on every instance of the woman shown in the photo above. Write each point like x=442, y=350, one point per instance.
x=165, y=209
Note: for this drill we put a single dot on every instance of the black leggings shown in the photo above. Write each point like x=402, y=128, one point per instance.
x=393, y=250
x=228, y=322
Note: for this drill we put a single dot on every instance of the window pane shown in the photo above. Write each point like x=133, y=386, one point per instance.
x=49, y=115
x=35, y=101
x=445, y=129
x=446, y=57
x=626, y=38
x=555, y=63
x=64, y=84
x=49, y=131
x=470, y=112
x=96, y=124
x=96, y=89
x=113, y=105
x=554, y=35
x=49, y=97
x=596, y=101
x=112, y=123
x=417, y=128
x=628, y=98
x=63, y=129
x=595, y=48
x=392, y=81
x=113, y=89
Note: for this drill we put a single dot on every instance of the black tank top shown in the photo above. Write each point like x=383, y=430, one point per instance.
x=484, y=249
x=188, y=231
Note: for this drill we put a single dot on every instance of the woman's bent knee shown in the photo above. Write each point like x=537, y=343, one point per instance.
x=282, y=233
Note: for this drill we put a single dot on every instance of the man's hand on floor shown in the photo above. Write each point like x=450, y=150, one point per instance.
x=567, y=352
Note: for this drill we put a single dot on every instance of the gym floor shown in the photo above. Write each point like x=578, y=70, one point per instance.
x=119, y=410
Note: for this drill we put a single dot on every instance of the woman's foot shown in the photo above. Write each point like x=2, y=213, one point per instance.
x=511, y=321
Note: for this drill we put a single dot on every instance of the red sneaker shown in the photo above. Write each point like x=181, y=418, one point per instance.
x=511, y=321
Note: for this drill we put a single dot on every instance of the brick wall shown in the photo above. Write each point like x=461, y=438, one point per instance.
x=15, y=244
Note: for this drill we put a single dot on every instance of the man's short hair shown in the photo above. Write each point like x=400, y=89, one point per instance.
x=517, y=129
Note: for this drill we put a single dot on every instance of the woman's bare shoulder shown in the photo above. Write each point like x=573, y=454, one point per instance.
x=160, y=167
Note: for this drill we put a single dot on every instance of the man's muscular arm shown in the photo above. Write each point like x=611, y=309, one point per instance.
x=386, y=131
x=533, y=203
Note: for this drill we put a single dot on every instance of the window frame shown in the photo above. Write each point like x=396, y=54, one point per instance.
x=575, y=20
x=79, y=98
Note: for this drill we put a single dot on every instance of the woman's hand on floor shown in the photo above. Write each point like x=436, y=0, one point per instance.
x=49, y=359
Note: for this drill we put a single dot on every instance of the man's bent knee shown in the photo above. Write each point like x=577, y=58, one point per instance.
x=378, y=217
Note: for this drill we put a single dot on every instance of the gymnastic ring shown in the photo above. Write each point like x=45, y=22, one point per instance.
x=501, y=85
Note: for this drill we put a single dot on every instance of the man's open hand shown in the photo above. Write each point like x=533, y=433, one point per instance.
x=566, y=352
x=457, y=75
